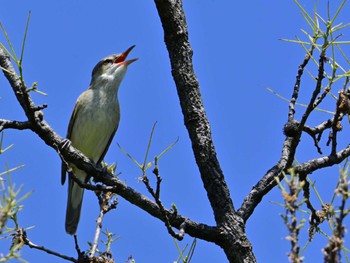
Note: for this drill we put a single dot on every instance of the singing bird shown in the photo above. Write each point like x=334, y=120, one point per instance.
x=92, y=126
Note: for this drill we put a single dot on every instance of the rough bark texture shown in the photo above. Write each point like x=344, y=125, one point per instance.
x=72, y=155
x=180, y=53
x=229, y=231
x=233, y=238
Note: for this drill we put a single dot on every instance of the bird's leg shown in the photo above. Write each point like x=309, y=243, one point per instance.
x=65, y=144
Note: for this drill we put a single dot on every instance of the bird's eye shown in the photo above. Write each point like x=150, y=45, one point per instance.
x=108, y=61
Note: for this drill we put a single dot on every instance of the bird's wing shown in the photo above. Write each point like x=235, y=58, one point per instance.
x=107, y=146
x=69, y=132
x=111, y=138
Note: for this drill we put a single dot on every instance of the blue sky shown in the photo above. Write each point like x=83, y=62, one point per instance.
x=237, y=56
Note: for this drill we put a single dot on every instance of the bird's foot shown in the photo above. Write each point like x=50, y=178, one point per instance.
x=66, y=144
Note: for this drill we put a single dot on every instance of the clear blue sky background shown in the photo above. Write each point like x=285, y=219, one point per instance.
x=237, y=55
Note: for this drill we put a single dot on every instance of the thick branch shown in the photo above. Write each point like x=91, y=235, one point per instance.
x=233, y=239
x=114, y=185
x=176, y=39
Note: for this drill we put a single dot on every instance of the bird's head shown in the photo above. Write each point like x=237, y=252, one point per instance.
x=112, y=68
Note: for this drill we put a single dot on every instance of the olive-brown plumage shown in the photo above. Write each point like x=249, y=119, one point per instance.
x=92, y=126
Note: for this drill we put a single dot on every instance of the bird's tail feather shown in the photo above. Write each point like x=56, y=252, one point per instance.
x=74, y=203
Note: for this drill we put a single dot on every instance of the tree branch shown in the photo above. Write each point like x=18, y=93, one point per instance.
x=72, y=155
x=107, y=201
x=267, y=182
x=21, y=235
x=176, y=39
x=322, y=162
x=156, y=195
x=114, y=185
x=296, y=89
x=233, y=238
x=18, y=125
x=293, y=131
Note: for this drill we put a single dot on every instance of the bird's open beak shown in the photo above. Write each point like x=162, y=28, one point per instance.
x=122, y=57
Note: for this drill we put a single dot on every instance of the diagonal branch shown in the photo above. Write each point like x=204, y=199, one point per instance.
x=267, y=182
x=22, y=236
x=72, y=155
x=115, y=185
x=293, y=131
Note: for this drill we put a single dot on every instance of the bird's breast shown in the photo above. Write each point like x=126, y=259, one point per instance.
x=95, y=123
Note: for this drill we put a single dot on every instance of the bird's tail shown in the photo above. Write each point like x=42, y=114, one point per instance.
x=75, y=200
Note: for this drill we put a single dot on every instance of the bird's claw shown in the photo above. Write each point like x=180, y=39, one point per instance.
x=66, y=144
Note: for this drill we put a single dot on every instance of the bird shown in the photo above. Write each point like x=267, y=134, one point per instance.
x=92, y=126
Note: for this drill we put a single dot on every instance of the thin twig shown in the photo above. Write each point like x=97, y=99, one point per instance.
x=98, y=227
x=317, y=131
x=156, y=196
x=343, y=108
x=21, y=233
x=104, y=199
x=297, y=84
x=158, y=177
x=322, y=96
x=317, y=90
